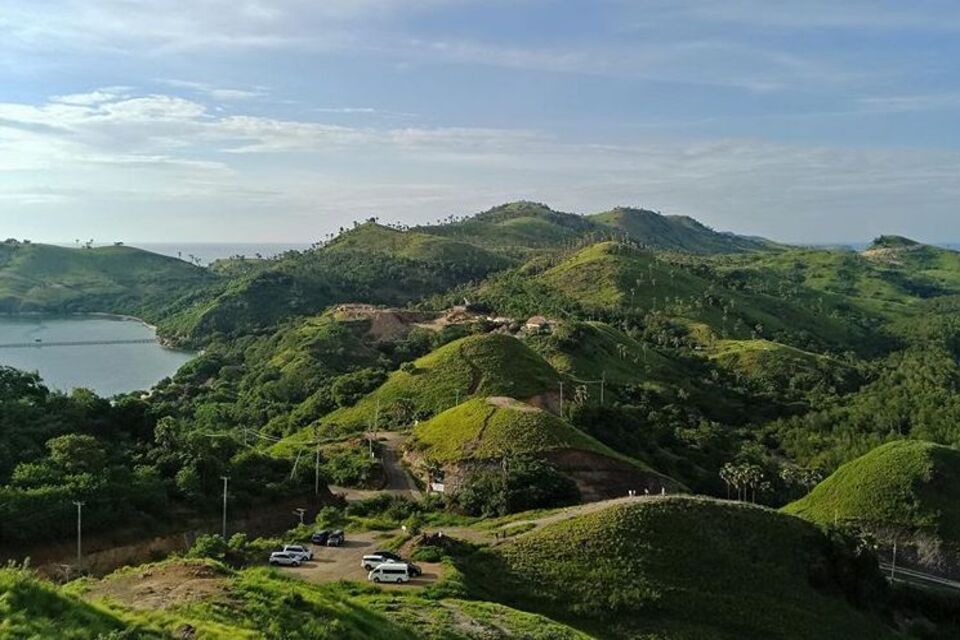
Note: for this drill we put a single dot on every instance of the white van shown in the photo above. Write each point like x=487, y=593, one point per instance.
x=390, y=572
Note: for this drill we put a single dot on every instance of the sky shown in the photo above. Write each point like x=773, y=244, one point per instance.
x=283, y=120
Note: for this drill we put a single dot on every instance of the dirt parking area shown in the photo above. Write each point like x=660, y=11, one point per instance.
x=330, y=564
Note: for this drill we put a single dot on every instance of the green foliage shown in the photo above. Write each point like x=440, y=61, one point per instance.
x=684, y=568
x=523, y=483
x=491, y=428
x=490, y=364
x=904, y=487
x=675, y=233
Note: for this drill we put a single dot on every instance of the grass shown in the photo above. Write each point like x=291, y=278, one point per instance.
x=481, y=365
x=257, y=604
x=116, y=279
x=909, y=485
x=676, y=233
x=481, y=430
x=677, y=568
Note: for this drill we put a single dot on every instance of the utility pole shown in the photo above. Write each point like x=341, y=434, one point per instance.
x=457, y=398
x=225, y=479
x=603, y=382
x=893, y=565
x=79, y=535
x=299, y=511
x=561, y=398
x=316, y=464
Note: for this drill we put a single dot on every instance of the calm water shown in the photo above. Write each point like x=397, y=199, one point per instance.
x=106, y=369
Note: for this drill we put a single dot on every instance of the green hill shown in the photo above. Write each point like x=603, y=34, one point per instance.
x=518, y=228
x=684, y=568
x=370, y=263
x=491, y=428
x=197, y=599
x=480, y=365
x=674, y=233
x=906, y=487
x=780, y=368
x=444, y=252
x=115, y=279
x=613, y=275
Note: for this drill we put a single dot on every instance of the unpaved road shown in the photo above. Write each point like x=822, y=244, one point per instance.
x=399, y=480
x=330, y=564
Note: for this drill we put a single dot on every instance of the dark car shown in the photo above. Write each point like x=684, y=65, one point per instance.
x=414, y=570
x=320, y=537
x=388, y=555
x=335, y=539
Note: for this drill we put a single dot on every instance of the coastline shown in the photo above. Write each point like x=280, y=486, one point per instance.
x=103, y=315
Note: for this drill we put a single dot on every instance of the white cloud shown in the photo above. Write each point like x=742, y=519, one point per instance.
x=152, y=154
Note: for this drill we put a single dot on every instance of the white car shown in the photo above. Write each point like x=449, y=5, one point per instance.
x=370, y=562
x=298, y=550
x=280, y=558
x=395, y=572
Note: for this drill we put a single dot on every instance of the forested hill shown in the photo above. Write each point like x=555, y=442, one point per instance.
x=39, y=277
x=519, y=227
x=531, y=359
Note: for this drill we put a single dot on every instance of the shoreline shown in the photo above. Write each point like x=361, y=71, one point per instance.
x=78, y=314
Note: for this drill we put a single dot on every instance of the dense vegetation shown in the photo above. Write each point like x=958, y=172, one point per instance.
x=733, y=366
x=686, y=568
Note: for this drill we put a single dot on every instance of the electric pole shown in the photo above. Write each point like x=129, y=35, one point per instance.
x=561, y=398
x=603, y=381
x=316, y=464
x=893, y=565
x=225, y=479
x=79, y=535
x=299, y=512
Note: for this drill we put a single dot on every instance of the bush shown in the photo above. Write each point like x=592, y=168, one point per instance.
x=528, y=483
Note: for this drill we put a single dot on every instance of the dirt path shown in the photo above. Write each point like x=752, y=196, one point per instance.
x=330, y=564
x=399, y=480
x=488, y=536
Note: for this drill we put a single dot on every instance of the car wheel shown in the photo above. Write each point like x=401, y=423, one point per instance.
x=377, y=580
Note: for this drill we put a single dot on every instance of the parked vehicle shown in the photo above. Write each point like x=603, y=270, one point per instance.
x=369, y=562
x=281, y=558
x=388, y=554
x=320, y=537
x=395, y=572
x=414, y=570
x=336, y=538
x=298, y=550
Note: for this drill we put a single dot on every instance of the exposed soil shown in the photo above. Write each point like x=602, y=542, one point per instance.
x=330, y=564
x=161, y=587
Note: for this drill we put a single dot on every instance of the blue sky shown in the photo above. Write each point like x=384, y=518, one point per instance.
x=244, y=120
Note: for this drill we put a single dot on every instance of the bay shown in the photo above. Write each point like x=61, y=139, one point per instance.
x=107, y=369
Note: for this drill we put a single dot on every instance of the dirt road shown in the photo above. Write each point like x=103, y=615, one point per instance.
x=399, y=480
x=330, y=564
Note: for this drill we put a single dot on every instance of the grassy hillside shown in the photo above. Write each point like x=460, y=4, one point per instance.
x=908, y=486
x=481, y=365
x=167, y=599
x=783, y=369
x=422, y=247
x=370, y=263
x=684, y=568
x=491, y=428
x=519, y=228
x=620, y=276
x=674, y=233
x=31, y=608
x=118, y=279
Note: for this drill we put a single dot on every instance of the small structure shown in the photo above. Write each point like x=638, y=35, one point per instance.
x=537, y=323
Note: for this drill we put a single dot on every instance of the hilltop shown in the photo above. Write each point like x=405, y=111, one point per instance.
x=684, y=568
x=675, y=233
x=204, y=599
x=116, y=279
x=478, y=365
x=907, y=489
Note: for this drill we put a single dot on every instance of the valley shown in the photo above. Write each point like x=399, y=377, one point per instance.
x=624, y=425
